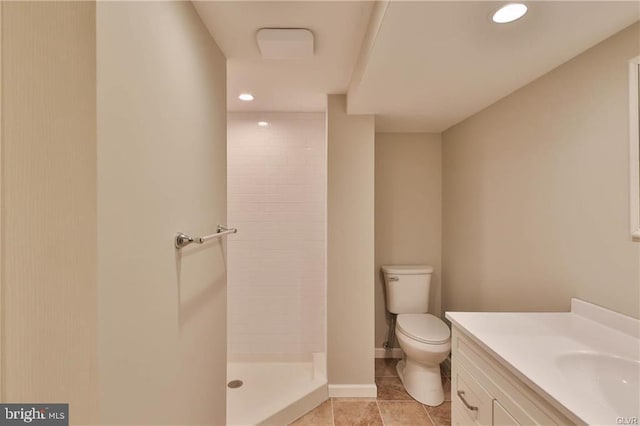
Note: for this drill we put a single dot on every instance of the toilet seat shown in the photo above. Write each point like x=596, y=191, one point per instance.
x=424, y=328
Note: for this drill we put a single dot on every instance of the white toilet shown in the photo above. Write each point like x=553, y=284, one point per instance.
x=425, y=339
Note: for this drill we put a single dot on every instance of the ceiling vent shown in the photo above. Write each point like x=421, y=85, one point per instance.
x=285, y=43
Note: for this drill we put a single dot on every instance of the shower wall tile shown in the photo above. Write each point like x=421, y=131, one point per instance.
x=276, y=262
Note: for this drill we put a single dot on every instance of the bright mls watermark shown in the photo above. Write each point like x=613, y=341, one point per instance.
x=34, y=414
x=627, y=421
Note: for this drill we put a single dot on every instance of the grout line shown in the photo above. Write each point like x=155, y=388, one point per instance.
x=380, y=412
x=428, y=415
x=333, y=416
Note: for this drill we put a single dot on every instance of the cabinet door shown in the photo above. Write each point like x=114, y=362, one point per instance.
x=460, y=416
x=471, y=399
x=501, y=417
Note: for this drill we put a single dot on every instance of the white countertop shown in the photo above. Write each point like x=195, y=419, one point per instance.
x=534, y=346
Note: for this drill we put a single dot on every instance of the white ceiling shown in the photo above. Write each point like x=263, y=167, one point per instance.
x=426, y=66
x=435, y=63
x=292, y=84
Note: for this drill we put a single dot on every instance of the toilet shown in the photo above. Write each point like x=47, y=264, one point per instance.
x=425, y=339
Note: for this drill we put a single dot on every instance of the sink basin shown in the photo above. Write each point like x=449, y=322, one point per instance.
x=609, y=378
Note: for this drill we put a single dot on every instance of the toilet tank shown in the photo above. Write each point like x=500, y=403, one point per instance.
x=407, y=288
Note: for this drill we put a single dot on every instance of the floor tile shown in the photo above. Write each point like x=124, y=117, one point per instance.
x=386, y=367
x=352, y=412
x=321, y=415
x=393, y=401
x=391, y=388
x=440, y=415
x=354, y=398
x=403, y=413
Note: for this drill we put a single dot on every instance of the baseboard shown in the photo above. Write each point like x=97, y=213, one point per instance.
x=388, y=353
x=353, y=391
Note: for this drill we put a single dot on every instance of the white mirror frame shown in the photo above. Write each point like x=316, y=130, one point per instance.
x=634, y=147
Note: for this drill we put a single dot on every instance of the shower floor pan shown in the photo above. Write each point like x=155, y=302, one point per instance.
x=274, y=393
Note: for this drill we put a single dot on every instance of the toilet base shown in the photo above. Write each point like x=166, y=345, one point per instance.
x=423, y=383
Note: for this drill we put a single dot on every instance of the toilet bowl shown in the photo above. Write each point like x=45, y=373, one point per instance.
x=425, y=341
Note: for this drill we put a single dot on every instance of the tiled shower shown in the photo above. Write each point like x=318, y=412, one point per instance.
x=276, y=262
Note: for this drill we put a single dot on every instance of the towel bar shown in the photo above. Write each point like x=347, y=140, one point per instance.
x=183, y=240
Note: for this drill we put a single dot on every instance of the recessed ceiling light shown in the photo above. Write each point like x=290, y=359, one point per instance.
x=263, y=123
x=245, y=97
x=509, y=13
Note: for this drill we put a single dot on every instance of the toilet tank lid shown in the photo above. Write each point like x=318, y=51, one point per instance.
x=407, y=269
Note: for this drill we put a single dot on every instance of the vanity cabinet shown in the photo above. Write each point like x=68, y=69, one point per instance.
x=483, y=392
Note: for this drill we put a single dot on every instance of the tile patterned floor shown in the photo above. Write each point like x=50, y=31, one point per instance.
x=392, y=407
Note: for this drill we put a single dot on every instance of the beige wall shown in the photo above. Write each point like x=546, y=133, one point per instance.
x=161, y=169
x=350, y=245
x=536, y=192
x=49, y=205
x=408, y=206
